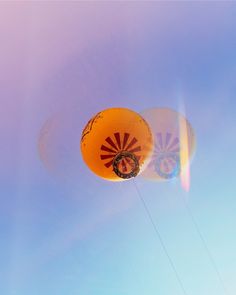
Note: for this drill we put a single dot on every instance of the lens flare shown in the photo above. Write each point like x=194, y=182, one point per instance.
x=184, y=155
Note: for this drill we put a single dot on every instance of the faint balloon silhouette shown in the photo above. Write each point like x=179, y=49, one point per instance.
x=165, y=125
x=58, y=144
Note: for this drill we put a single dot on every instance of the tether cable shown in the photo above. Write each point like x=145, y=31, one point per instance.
x=210, y=257
x=160, y=239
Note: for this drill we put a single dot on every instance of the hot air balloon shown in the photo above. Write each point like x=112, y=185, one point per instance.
x=167, y=126
x=116, y=144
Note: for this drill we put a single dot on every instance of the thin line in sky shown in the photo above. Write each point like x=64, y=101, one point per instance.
x=161, y=240
x=185, y=180
x=210, y=257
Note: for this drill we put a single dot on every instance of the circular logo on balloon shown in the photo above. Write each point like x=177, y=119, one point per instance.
x=126, y=165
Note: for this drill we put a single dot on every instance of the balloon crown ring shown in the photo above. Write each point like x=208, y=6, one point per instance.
x=126, y=165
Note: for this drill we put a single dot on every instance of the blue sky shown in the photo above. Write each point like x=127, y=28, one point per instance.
x=77, y=234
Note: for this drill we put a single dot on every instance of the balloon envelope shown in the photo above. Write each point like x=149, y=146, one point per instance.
x=116, y=144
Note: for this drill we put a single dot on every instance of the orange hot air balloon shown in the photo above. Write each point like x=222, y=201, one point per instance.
x=172, y=151
x=116, y=144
